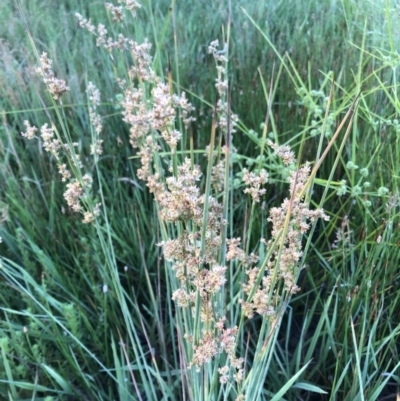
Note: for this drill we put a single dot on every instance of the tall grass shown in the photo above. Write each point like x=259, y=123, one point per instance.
x=87, y=309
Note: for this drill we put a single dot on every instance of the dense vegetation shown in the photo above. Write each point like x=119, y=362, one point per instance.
x=86, y=306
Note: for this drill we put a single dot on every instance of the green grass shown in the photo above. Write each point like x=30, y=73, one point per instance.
x=86, y=310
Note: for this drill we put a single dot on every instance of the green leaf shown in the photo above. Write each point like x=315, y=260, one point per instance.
x=309, y=387
x=289, y=384
x=60, y=380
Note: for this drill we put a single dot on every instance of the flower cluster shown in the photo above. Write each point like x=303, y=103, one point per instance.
x=116, y=12
x=101, y=33
x=95, y=119
x=284, y=152
x=73, y=194
x=194, y=253
x=219, y=168
x=89, y=216
x=289, y=222
x=196, y=267
x=221, y=83
x=57, y=87
x=236, y=253
x=254, y=183
x=131, y=5
x=50, y=144
x=65, y=174
x=211, y=344
x=159, y=116
x=30, y=131
x=76, y=189
x=142, y=68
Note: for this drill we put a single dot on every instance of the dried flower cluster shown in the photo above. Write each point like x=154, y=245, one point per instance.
x=194, y=259
x=218, y=170
x=89, y=216
x=218, y=176
x=65, y=174
x=57, y=87
x=215, y=342
x=116, y=12
x=131, y=5
x=76, y=189
x=142, y=68
x=289, y=222
x=95, y=119
x=284, y=152
x=101, y=33
x=221, y=83
x=30, y=131
x=254, y=183
x=50, y=144
x=160, y=116
x=197, y=268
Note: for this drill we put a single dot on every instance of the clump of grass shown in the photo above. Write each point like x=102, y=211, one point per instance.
x=193, y=224
x=207, y=305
